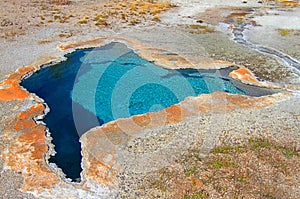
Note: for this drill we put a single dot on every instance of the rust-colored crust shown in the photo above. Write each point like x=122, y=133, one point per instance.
x=245, y=75
x=27, y=150
x=10, y=87
x=192, y=106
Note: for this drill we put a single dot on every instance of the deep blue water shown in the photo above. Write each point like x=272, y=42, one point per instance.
x=95, y=86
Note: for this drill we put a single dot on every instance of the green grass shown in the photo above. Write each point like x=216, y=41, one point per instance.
x=257, y=144
x=195, y=196
x=288, y=152
x=190, y=172
x=216, y=164
x=223, y=149
x=223, y=162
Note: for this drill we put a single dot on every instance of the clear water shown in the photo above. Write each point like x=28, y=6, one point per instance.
x=95, y=86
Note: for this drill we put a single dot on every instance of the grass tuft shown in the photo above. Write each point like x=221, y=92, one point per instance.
x=284, y=32
x=195, y=195
x=199, y=29
x=83, y=21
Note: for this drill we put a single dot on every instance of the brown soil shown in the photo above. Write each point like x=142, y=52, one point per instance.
x=259, y=168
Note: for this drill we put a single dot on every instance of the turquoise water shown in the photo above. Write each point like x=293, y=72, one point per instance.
x=95, y=86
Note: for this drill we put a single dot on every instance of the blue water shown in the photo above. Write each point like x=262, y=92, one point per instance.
x=95, y=86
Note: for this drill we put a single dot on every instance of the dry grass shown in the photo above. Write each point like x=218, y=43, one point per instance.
x=61, y=2
x=287, y=32
x=156, y=18
x=46, y=41
x=134, y=12
x=199, y=29
x=260, y=168
x=30, y=14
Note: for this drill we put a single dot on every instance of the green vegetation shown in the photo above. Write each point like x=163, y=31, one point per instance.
x=195, y=196
x=222, y=162
x=257, y=144
x=216, y=164
x=284, y=32
x=288, y=152
x=190, y=172
x=287, y=32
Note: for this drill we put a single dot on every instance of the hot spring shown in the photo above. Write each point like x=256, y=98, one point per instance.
x=97, y=85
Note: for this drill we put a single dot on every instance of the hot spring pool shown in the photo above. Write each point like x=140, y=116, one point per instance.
x=98, y=85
